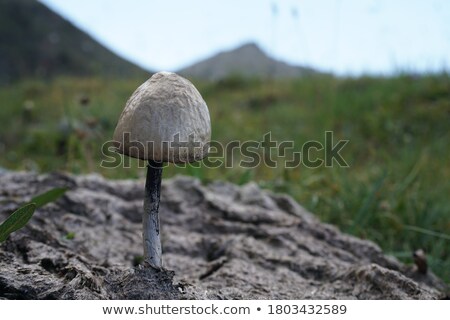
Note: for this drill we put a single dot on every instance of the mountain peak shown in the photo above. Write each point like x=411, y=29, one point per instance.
x=250, y=46
x=247, y=60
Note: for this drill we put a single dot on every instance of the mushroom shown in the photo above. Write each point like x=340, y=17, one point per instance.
x=164, y=120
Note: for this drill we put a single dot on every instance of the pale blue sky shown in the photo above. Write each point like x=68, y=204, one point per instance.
x=341, y=36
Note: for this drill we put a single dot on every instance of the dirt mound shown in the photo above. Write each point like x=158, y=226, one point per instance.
x=221, y=241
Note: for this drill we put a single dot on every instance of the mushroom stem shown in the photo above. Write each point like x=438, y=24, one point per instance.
x=150, y=219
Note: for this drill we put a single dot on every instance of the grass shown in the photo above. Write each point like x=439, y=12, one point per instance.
x=394, y=192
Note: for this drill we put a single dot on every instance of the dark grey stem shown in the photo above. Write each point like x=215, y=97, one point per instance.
x=150, y=219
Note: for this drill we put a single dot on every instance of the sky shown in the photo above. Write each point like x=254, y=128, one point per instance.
x=346, y=37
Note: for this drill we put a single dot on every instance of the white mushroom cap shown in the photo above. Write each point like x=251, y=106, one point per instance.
x=165, y=120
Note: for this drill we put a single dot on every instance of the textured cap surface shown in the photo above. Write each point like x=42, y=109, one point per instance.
x=165, y=119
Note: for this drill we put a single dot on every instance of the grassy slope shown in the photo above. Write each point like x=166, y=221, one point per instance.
x=395, y=192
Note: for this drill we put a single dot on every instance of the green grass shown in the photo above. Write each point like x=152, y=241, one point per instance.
x=394, y=192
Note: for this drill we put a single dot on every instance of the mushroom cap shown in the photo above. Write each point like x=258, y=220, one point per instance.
x=164, y=120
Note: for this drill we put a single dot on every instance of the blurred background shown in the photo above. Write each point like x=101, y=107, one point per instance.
x=374, y=72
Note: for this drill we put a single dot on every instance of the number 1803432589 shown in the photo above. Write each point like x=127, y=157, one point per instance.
x=307, y=309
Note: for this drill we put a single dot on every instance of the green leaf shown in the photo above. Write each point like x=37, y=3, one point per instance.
x=16, y=220
x=47, y=197
x=70, y=235
x=19, y=218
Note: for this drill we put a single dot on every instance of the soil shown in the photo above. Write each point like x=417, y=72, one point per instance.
x=220, y=241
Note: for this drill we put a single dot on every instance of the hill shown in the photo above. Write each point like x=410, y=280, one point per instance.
x=37, y=42
x=247, y=60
